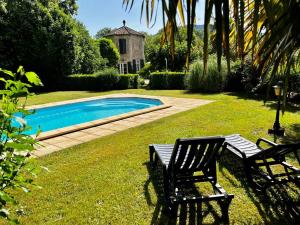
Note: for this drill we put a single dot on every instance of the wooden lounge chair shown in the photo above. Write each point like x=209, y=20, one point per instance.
x=258, y=161
x=181, y=161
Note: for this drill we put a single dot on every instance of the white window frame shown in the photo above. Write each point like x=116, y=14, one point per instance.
x=137, y=65
x=122, y=67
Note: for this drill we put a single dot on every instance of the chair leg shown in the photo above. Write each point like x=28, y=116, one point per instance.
x=250, y=178
x=166, y=188
x=151, y=155
x=225, y=210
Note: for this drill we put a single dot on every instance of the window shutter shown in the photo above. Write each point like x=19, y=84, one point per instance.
x=142, y=63
x=134, y=66
x=122, y=46
x=129, y=67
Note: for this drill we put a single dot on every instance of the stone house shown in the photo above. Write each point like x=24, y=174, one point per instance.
x=131, y=46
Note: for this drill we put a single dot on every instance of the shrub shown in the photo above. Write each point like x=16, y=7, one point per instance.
x=108, y=79
x=126, y=81
x=145, y=71
x=233, y=80
x=15, y=144
x=212, y=81
x=109, y=51
x=167, y=80
x=294, y=82
x=42, y=37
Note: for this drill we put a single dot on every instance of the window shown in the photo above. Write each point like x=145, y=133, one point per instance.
x=122, y=46
x=134, y=65
x=123, y=68
x=138, y=66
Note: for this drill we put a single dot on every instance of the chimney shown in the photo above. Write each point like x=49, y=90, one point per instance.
x=124, y=23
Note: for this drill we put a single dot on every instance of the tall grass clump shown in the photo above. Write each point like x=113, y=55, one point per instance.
x=212, y=81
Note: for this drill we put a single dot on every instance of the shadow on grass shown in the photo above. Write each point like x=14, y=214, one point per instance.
x=292, y=134
x=184, y=214
x=270, y=103
x=290, y=107
x=279, y=204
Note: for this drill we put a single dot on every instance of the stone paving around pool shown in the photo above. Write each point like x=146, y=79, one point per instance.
x=68, y=140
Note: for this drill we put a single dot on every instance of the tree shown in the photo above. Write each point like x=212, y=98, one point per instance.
x=109, y=51
x=267, y=30
x=156, y=54
x=43, y=38
x=102, y=32
x=69, y=6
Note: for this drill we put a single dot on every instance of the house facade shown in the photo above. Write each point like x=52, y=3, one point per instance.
x=131, y=46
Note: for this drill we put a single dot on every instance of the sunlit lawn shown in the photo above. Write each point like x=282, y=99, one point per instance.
x=106, y=181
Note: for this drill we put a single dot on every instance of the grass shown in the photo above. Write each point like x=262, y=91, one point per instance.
x=106, y=181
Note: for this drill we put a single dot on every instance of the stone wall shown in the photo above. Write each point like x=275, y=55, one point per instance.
x=134, y=47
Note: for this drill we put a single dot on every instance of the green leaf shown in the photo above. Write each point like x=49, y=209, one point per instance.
x=19, y=146
x=33, y=78
x=7, y=72
x=21, y=70
x=2, y=79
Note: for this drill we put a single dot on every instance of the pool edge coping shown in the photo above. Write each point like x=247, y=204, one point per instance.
x=99, y=122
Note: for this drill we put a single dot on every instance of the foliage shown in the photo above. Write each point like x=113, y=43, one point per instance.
x=109, y=51
x=127, y=81
x=241, y=78
x=15, y=146
x=294, y=83
x=244, y=78
x=43, y=38
x=156, y=54
x=108, y=79
x=212, y=81
x=145, y=71
x=101, y=33
x=167, y=80
x=266, y=31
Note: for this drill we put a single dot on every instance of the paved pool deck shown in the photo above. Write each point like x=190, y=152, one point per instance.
x=110, y=126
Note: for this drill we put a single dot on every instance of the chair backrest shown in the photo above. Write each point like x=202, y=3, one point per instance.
x=276, y=151
x=194, y=154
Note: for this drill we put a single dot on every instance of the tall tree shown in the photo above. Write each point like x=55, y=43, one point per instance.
x=43, y=38
x=267, y=30
x=102, y=32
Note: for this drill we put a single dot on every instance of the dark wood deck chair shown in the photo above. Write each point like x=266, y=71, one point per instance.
x=182, y=160
x=258, y=161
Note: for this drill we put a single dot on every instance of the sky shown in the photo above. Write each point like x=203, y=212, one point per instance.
x=97, y=14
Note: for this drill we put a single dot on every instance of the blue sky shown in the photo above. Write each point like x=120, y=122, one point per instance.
x=97, y=14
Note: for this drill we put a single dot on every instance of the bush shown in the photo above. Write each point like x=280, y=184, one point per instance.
x=41, y=36
x=234, y=79
x=127, y=81
x=105, y=80
x=294, y=82
x=167, y=80
x=109, y=51
x=145, y=71
x=15, y=145
x=213, y=81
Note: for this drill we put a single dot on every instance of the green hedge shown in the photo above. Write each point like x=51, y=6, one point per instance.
x=167, y=80
x=100, y=82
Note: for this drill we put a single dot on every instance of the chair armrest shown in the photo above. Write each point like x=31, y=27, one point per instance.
x=265, y=141
x=235, y=148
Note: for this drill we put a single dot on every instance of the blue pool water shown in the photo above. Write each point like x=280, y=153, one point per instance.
x=55, y=117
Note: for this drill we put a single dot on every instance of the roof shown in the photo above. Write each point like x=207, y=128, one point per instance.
x=124, y=30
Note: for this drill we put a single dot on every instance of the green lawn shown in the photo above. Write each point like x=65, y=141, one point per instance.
x=106, y=181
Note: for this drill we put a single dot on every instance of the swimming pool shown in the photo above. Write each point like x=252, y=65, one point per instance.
x=61, y=116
